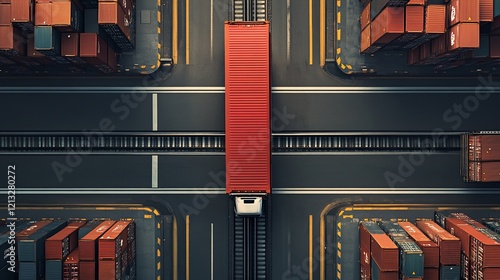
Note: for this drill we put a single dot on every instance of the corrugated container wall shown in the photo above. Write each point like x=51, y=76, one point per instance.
x=463, y=35
x=463, y=11
x=388, y=25
x=248, y=127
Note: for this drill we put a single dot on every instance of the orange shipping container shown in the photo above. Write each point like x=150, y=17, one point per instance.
x=486, y=10
x=112, y=13
x=435, y=19
x=417, y=2
x=414, y=19
x=388, y=25
x=449, y=245
x=463, y=11
x=365, y=39
x=463, y=35
x=43, y=14
x=12, y=40
x=384, y=252
x=365, y=16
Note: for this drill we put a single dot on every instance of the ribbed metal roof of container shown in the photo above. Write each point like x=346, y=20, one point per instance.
x=463, y=11
x=21, y=11
x=388, y=25
x=364, y=18
x=5, y=14
x=365, y=39
x=417, y=2
x=415, y=19
x=43, y=14
x=70, y=44
x=247, y=78
x=435, y=19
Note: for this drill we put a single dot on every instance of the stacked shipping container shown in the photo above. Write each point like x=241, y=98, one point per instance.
x=480, y=157
x=115, y=249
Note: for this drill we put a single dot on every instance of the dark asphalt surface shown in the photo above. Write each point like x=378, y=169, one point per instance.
x=394, y=111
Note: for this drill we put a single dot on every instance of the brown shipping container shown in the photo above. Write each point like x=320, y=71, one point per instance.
x=467, y=219
x=43, y=14
x=22, y=10
x=488, y=273
x=70, y=44
x=435, y=19
x=32, y=229
x=460, y=229
x=58, y=246
x=463, y=36
x=414, y=19
x=438, y=45
x=417, y=2
x=486, y=147
x=366, y=229
x=431, y=273
x=5, y=1
x=71, y=267
x=108, y=268
x=414, y=55
x=36, y=55
x=485, y=171
x=112, y=62
x=463, y=11
x=365, y=39
x=88, y=270
x=388, y=25
x=430, y=248
x=365, y=17
x=77, y=223
x=89, y=243
x=364, y=261
x=486, y=10
x=384, y=252
x=449, y=245
x=5, y=14
x=494, y=53
x=425, y=50
x=114, y=241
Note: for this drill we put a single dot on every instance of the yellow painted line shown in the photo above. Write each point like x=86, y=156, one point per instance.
x=159, y=17
x=153, y=66
x=341, y=212
x=310, y=247
x=187, y=32
x=322, y=245
x=174, y=247
x=349, y=66
x=343, y=67
x=158, y=253
x=187, y=244
x=322, y=32
x=338, y=17
x=174, y=31
x=158, y=240
x=159, y=47
x=159, y=30
x=339, y=34
x=143, y=66
x=310, y=32
x=339, y=3
x=339, y=50
x=339, y=60
x=148, y=216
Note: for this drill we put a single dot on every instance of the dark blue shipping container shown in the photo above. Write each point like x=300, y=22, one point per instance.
x=31, y=270
x=53, y=269
x=449, y=272
x=48, y=42
x=33, y=248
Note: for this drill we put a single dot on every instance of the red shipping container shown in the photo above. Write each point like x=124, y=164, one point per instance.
x=463, y=36
x=248, y=126
x=449, y=245
x=22, y=11
x=435, y=19
x=5, y=14
x=486, y=147
x=494, y=53
x=460, y=11
x=5, y=1
x=430, y=248
x=486, y=10
x=414, y=55
x=365, y=17
x=431, y=273
x=388, y=25
x=384, y=252
x=12, y=41
x=425, y=50
x=43, y=14
x=488, y=273
x=88, y=270
x=460, y=229
x=89, y=243
x=32, y=229
x=415, y=19
x=58, y=246
x=109, y=269
x=364, y=262
x=114, y=241
x=70, y=44
x=71, y=267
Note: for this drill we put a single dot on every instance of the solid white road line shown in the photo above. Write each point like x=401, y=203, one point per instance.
x=212, y=251
x=154, y=171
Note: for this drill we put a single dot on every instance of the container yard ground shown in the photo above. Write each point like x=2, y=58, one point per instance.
x=343, y=50
x=150, y=226
x=145, y=59
x=342, y=222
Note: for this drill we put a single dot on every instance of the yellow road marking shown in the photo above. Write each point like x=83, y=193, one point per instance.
x=339, y=33
x=338, y=17
x=187, y=244
x=187, y=32
x=322, y=32
x=310, y=32
x=322, y=245
x=174, y=31
x=174, y=247
x=310, y=247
